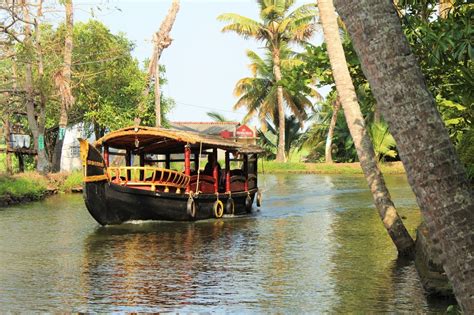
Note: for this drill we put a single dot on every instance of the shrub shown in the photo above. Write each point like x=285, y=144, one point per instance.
x=73, y=180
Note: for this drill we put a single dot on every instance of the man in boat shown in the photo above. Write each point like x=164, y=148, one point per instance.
x=209, y=168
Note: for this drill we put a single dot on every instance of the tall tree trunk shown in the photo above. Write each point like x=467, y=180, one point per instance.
x=280, y=156
x=362, y=141
x=434, y=171
x=332, y=126
x=157, y=96
x=8, y=155
x=377, y=116
x=37, y=124
x=63, y=83
x=161, y=40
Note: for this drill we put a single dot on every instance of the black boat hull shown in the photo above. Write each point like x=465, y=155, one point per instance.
x=110, y=203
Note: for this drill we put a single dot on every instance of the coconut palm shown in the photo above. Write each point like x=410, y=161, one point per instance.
x=269, y=139
x=258, y=93
x=434, y=171
x=277, y=27
x=355, y=121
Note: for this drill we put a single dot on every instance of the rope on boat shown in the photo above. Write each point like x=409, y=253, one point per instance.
x=199, y=167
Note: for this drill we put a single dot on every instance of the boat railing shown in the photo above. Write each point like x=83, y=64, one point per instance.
x=151, y=177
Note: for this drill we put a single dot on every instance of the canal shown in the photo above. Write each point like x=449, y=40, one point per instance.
x=316, y=245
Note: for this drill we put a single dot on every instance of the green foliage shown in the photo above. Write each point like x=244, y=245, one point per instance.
x=465, y=150
x=109, y=81
x=277, y=28
x=72, y=181
x=275, y=167
x=33, y=187
x=277, y=24
x=259, y=92
x=383, y=141
x=269, y=139
x=445, y=52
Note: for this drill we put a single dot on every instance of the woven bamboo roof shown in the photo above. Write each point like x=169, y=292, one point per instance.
x=160, y=140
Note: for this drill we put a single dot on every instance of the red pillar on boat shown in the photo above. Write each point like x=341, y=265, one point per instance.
x=227, y=171
x=187, y=163
x=128, y=162
x=246, y=172
x=106, y=155
x=215, y=172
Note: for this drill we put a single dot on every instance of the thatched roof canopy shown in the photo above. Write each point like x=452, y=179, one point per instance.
x=142, y=139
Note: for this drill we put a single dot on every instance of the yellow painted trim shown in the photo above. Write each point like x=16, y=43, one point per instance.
x=95, y=178
x=84, y=149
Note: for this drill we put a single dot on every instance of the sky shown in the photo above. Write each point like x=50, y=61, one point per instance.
x=202, y=64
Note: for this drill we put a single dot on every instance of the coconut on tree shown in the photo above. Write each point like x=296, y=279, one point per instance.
x=278, y=26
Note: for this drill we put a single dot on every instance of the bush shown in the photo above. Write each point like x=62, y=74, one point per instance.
x=73, y=180
x=28, y=185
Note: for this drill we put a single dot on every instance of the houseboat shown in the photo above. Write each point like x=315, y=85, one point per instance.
x=147, y=173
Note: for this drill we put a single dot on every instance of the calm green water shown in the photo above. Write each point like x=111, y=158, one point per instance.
x=316, y=245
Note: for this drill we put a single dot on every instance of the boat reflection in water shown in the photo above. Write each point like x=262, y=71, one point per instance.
x=163, y=266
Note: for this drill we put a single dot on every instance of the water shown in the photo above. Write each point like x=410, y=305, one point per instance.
x=316, y=245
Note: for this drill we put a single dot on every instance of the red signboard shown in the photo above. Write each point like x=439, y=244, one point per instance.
x=226, y=134
x=244, y=132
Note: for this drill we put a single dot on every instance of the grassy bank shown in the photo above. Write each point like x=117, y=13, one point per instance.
x=273, y=167
x=22, y=188
x=32, y=186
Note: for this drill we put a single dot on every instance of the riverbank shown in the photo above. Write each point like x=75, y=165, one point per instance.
x=272, y=167
x=31, y=186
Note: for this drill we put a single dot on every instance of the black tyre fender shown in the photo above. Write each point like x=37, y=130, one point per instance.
x=218, y=209
x=248, y=204
x=230, y=206
x=191, y=208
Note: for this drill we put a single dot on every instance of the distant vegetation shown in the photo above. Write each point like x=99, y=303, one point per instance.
x=441, y=44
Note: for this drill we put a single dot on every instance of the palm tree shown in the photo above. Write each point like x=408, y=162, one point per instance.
x=269, y=139
x=434, y=171
x=258, y=93
x=218, y=117
x=332, y=125
x=356, y=124
x=278, y=27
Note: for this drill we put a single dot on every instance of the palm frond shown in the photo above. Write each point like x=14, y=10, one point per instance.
x=241, y=25
x=383, y=141
x=217, y=116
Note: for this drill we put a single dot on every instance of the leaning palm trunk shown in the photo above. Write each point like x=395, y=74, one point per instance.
x=280, y=157
x=332, y=126
x=355, y=122
x=434, y=171
x=63, y=82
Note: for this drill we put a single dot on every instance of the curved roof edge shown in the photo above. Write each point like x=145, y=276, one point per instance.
x=128, y=135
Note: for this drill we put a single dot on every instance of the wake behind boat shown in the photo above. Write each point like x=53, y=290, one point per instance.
x=162, y=177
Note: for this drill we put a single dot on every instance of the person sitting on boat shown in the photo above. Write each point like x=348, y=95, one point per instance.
x=211, y=161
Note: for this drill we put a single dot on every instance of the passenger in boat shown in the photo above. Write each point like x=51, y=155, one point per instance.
x=208, y=169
